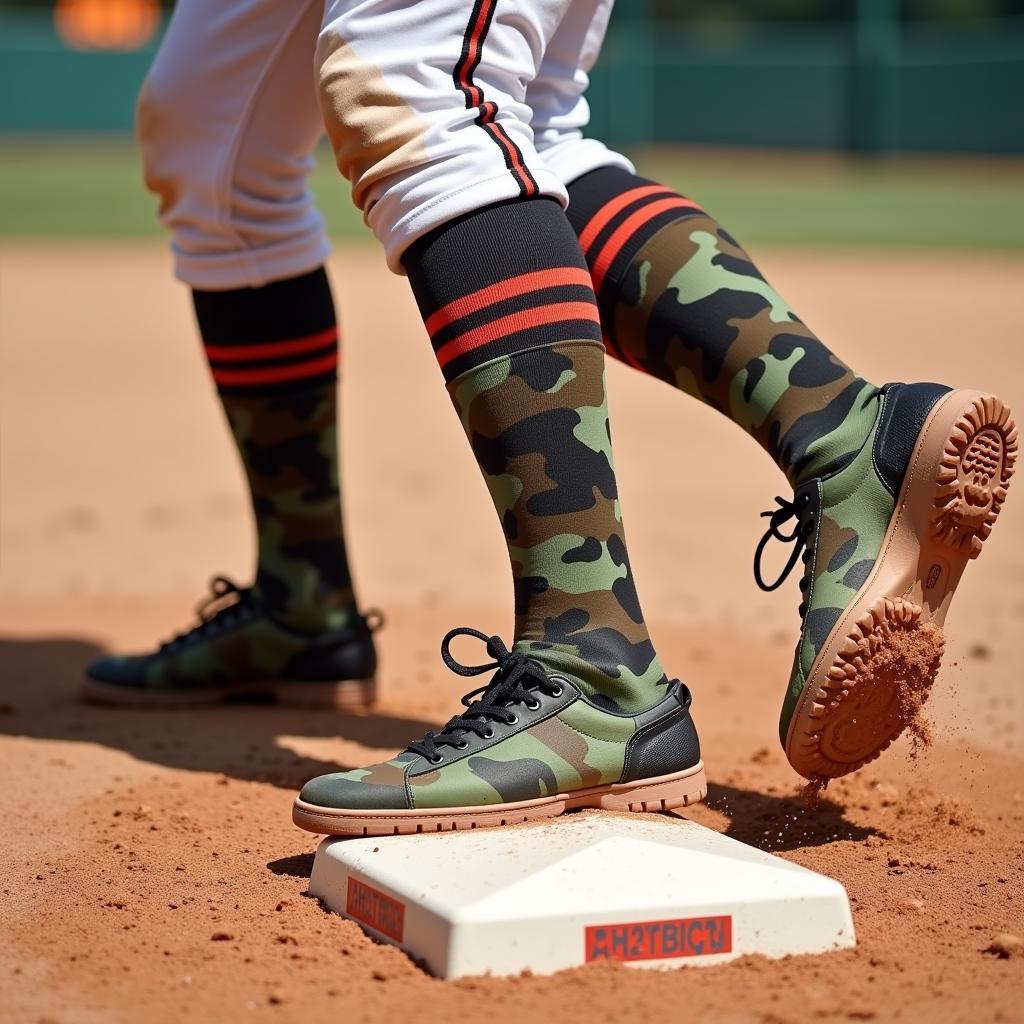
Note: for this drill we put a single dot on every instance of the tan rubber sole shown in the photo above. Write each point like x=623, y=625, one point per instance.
x=345, y=695
x=877, y=666
x=647, y=795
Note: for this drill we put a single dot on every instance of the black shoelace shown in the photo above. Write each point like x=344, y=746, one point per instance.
x=802, y=532
x=226, y=603
x=515, y=680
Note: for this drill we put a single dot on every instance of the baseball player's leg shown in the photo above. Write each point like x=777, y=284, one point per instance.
x=459, y=198
x=895, y=486
x=227, y=122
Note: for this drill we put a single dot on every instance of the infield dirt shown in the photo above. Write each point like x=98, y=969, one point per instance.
x=150, y=871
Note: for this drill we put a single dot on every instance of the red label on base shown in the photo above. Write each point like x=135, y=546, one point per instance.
x=375, y=909
x=659, y=940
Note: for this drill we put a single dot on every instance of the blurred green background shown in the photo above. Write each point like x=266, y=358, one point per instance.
x=894, y=122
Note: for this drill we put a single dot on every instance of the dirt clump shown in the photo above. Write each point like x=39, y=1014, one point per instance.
x=913, y=657
x=1006, y=946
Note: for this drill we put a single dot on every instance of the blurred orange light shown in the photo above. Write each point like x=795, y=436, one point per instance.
x=106, y=24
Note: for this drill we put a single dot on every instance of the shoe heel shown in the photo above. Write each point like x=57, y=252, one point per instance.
x=345, y=695
x=974, y=471
x=680, y=790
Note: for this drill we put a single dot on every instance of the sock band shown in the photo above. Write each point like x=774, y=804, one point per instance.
x=279, y=338
x=518, y=318
x=597, y=223
x=615, y=213
x=509, y=289
x=271, y=349
x=526, y=286
x=310, y=372
x=637, y=227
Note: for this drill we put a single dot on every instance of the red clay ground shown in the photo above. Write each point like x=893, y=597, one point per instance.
x=134, y=840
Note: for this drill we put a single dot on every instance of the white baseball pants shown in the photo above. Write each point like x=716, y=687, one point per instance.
x=434, y=108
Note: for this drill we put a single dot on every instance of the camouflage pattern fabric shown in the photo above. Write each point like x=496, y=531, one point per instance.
x=680, y=299
x=695, y=311
x=849, y=512
x=273, y=352
x=288, y=444
x=579, y=747
x=538, y=425
x=239, y=643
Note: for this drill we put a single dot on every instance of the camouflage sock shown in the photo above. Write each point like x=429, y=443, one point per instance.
x=273, y=352
x=516, y=332
x=681, y=300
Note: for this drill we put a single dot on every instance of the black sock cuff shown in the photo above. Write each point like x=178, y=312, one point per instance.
x=614, y=212
x=501, y=280
x=278, y=338
x=595, y=189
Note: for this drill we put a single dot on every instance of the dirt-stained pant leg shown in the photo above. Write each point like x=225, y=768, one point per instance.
x=227, y=122
x=426, y=106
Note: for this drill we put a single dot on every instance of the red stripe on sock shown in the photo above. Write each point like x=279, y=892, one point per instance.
x=507, y=289
x=627, y=228
x=600, y=219
x=506, y=325
x=276, y=374
x=271, y=350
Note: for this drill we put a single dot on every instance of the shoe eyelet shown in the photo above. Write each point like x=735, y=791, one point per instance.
x=533, y=704
x=489, y=735
x=513, y=719
x=373, y=619
x=462, y=745
x=436, y=759
x=557, y=691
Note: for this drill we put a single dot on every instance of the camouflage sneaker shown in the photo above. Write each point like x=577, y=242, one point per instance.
x=885, y=538
x=529, y=745
x=238, y=652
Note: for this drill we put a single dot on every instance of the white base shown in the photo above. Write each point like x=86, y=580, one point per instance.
x=654, y=891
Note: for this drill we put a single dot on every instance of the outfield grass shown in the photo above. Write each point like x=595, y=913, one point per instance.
x=92, y=189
